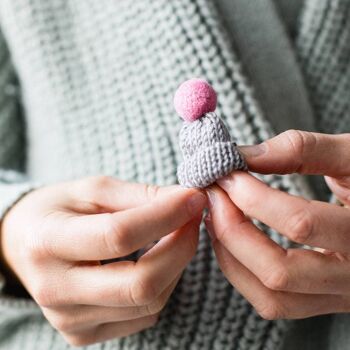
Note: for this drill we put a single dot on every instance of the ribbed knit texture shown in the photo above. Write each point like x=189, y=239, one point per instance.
x=208, y=152
x=324, y=49
x=97, y=79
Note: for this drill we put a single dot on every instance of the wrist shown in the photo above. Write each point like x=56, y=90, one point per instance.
x=12, y=285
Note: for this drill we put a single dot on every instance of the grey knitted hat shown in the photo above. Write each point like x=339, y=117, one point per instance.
x=207, y=149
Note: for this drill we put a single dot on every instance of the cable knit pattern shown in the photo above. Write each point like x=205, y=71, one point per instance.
x=208, y=152
x=97, y=80
x=324, y=50
x=12, y=143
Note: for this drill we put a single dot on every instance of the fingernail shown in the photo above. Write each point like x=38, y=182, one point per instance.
x=253, y=150
x=212, y=197
x=210, y=228
x=196, y=202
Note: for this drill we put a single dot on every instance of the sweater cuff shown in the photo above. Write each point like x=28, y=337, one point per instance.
x=11, y=194
x=13, y=186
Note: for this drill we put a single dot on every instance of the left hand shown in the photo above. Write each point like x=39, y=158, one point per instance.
x=278, y=282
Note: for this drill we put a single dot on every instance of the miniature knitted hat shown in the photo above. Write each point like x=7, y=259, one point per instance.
x=206, y=145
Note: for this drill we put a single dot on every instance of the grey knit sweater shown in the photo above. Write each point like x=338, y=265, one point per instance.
x=86, y=88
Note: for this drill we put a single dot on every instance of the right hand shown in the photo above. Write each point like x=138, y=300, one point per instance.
x=54, y=238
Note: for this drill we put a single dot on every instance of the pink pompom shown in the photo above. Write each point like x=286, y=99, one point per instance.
x=194, y=98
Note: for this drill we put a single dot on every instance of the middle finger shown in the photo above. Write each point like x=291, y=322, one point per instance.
x=295, y=270
x=129, y=283
x=313, y=223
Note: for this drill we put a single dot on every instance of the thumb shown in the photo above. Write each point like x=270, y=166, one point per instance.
x=296, y=151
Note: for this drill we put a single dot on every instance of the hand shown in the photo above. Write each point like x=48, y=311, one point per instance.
x=55, y=237
x=286, y=283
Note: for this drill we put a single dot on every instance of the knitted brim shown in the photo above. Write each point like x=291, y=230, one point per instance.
x=208, y=164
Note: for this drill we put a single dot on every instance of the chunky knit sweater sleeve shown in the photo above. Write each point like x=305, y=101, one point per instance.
x=13, y=181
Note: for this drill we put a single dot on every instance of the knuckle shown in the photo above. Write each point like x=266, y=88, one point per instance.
x=40, y=246
x=98, y=182
x=270, y=310
x=63, y=323
x=116, y=237
x=91, y=188
x=155, y=307
x=276, y=278
x=152, y=320
x=151, y=191
x=77, y=340
x=299, y=226
x=223, y=232
x=43, y=295
x=37, y=254
x=143, y=292
x=299, y=142
x=296, y=140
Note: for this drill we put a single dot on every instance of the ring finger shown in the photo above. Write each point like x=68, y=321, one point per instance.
x=271, y=304
x=292, y=270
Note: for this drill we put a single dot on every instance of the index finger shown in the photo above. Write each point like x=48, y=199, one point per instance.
x=129, y=283
x=296, y=151
x=112, y=235
x=313, y=223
